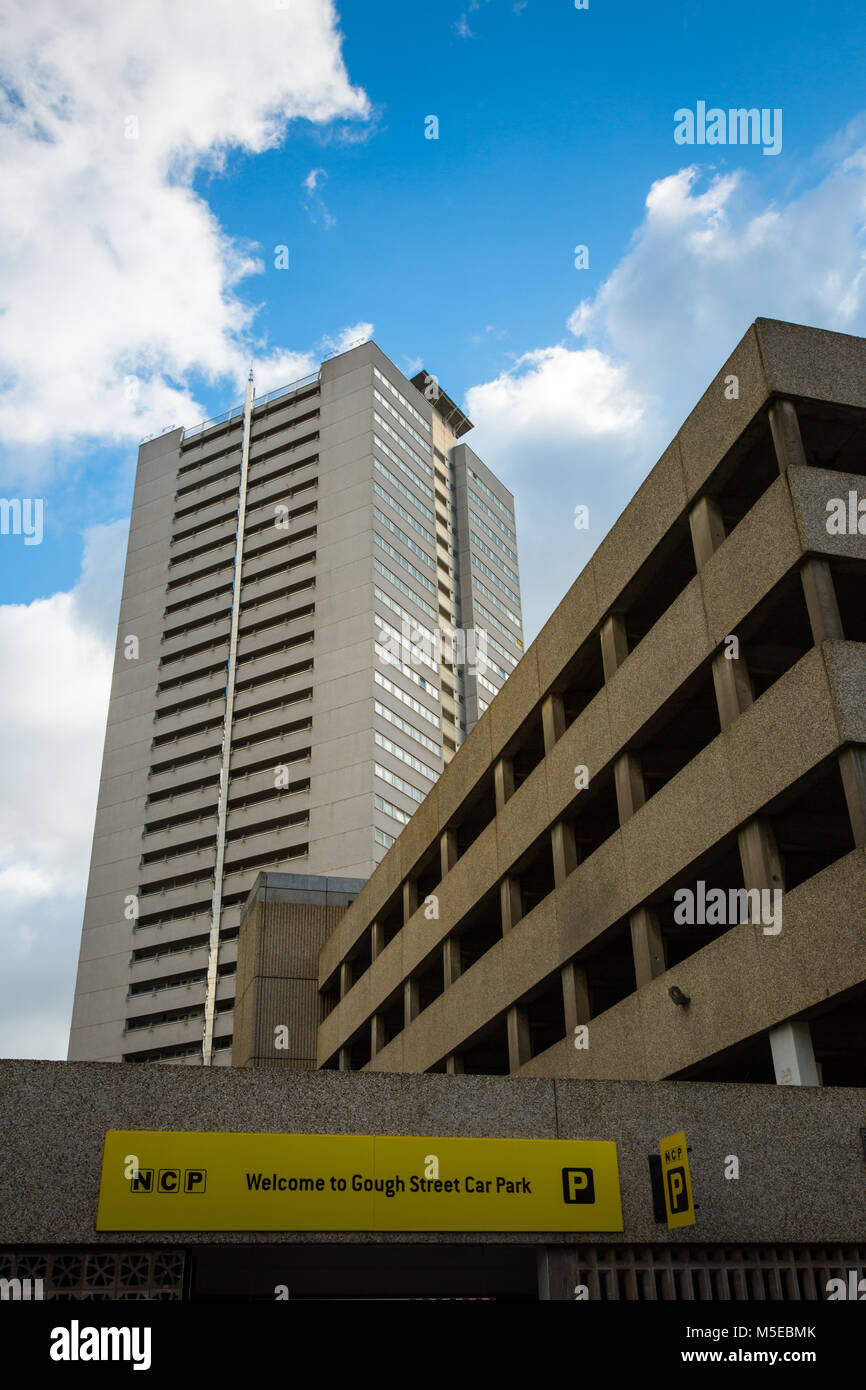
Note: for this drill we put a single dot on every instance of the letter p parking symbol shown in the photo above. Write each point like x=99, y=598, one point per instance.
x=578, y=1185
x=678, y=1197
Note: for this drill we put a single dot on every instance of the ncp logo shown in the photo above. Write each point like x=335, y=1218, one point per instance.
x=578, y=1185
x=168, y=1180
x=678, y=1197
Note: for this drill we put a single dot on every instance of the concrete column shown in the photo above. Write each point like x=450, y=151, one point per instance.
x=447, y=850
x=559, y=1273
x=503, y=781
x=564, y=847
x=614, y=643
x=787, y=440
x=575, y=996
x=344, y=1061
x=793, y=1056
x=377, y=1034
x=707, y=528
x=377, y=939
x=759, y=856
x=552, y=720
x=733, y=685
x=450, y=960
x=454, y=1064
x=826, y=623
x=510, y=903
x=410, y=898
x=629, y=783
x=518, y=1037
x=820, y=591
x=647, y=945
x=345, y=978
x=852, y=765
x=411, y=1001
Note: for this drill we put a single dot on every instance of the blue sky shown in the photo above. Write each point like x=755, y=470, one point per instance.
x=137, y=279
x=554, y=123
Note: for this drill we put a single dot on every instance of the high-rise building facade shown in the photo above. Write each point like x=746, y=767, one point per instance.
x=321, y=598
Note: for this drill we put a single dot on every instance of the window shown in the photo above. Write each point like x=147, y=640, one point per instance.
x=389, y=809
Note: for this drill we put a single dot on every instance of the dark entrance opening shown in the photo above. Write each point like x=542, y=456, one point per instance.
x=341, y=1270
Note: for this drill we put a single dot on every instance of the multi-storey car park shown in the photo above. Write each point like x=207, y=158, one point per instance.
x=286, y=687
x=692, y=718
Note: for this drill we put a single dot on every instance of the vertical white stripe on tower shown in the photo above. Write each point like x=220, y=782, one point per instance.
x=226, y=750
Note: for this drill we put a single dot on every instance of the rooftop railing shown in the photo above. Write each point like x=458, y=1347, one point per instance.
x=238, y=410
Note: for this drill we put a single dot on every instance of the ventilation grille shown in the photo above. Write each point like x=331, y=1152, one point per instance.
x=713, y=1273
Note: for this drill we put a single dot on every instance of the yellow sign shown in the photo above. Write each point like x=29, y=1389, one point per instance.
x=155, y=1180
x=679, y=1202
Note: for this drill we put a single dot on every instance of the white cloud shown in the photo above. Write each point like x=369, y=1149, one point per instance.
x=711, y=256
x=583, y=422
x=558, y=396
x=556, y=427
x=350, y=337
x=114, y=266
x=314, y=203
x=54, y=685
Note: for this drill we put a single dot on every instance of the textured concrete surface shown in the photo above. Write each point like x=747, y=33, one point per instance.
x=802, y=1170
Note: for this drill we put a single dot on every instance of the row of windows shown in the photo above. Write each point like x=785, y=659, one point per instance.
x=403, y=588
x=231, y=539
x=416, y=414
x=410, y=569
x=489, y=618
x=495, y=560
x=383, y=425
x=218, y=641
x=191, y=625
x=397, y=637
x=492, y=642
x=492, y=534
x=477, y=501
x=491, y=664
x=404, y=467
x=492, y=597
x=404, y=698
x=257, y=434
x=407, y=728
x=386, y=405
x=213, y=501
x=489, y=493
x=389, y=659
x=383, y=838
x=389, y=809
x=401, y=511
x=405, y=787
x=395, y=482
x=409, y=758
x=414, y=625
x=236, y=424
x=230, y=516
x=214, y=477
x=407, y=540
x=494, y=690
